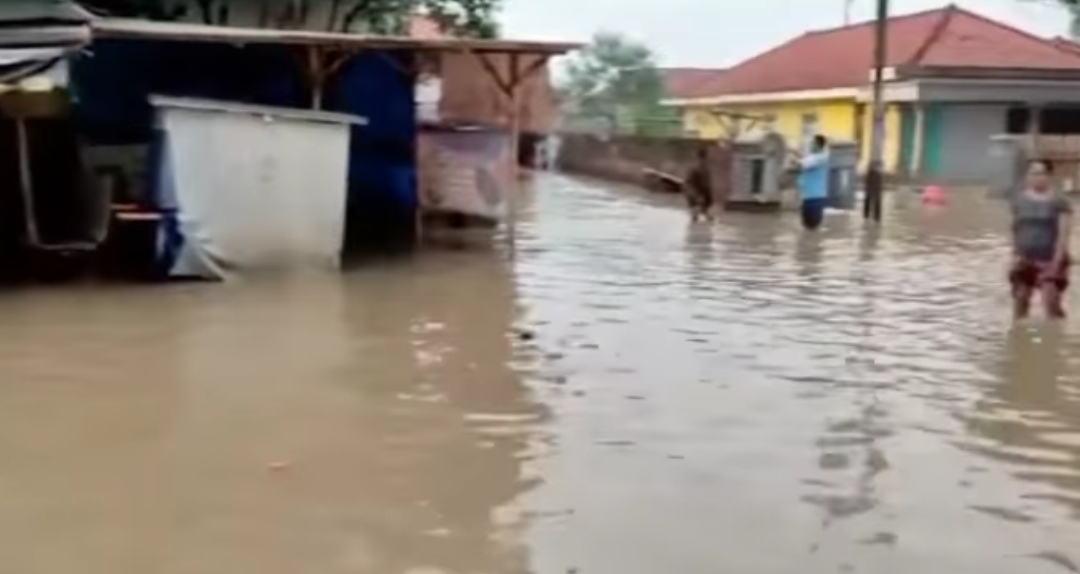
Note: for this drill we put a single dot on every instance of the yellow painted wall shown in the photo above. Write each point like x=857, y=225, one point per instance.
x=891, y=153
x=836, y=121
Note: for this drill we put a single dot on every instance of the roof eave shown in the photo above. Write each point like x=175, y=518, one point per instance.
x=914, y=72
x=770, y=97
x=148, y=30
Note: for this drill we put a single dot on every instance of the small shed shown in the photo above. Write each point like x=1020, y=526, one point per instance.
x=363, y=75
x=250, y=189
x=44, y=206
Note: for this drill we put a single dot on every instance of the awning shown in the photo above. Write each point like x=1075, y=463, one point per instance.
x=43, y=23
x=33, y=69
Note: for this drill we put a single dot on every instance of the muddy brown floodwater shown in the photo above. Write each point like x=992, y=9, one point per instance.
x=630, y=395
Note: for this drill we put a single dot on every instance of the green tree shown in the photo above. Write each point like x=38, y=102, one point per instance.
x=469, y=18
x=613, y=80
x=1072, y=7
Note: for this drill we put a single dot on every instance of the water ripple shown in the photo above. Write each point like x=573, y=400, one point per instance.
x=864, y=374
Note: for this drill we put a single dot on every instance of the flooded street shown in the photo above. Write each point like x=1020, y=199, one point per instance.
x=630, y=395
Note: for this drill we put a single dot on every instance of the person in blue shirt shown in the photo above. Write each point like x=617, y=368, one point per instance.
x=814, y=182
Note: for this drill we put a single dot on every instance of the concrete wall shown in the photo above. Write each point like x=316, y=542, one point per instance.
x=622, y=158
x=625, y=159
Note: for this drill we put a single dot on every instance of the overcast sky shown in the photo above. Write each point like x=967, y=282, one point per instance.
x=716, y=33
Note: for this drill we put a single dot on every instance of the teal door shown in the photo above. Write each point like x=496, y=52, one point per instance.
x=907, y=138
x=933, y=122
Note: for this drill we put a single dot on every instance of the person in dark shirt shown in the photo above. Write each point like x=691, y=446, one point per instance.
x=698, y=188
x=1040, y=238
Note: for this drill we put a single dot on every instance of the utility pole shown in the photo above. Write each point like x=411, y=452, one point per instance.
x=847, y=11
x=875, y=168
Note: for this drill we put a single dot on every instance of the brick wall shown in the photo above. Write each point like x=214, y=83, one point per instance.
x=470, y=95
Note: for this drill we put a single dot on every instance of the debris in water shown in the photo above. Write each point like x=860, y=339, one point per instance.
x=279, y=465
x=526, y=335
x=880, y=539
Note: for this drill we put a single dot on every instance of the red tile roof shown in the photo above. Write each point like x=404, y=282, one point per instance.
x=682, y=83
x=1066, y=44
x=843, y=57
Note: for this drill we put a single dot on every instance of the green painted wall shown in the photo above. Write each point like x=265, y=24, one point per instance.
x=933, y=122
x=907, y=138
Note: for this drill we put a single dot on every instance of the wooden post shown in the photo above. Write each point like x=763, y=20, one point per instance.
x=26, y=183
x=315, y=72
x=515, y=143
x=916, y=165
x=510, y=93
x=1034, y=128
x=875, y=176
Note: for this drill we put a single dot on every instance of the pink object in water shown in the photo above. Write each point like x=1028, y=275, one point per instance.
x=279, y=465
x=934, y=195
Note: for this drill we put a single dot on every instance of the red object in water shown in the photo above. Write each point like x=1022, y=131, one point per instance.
x=934, y=195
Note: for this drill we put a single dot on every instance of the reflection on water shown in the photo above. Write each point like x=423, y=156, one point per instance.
x=364, y=425
x=631, y=394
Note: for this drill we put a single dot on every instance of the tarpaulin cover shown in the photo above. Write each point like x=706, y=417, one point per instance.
x=470, y=169
x=383, y=200
x=251, y=188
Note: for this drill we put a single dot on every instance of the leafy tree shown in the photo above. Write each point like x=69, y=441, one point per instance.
x=1072, y=7
x=613, y=77
x=470, y=18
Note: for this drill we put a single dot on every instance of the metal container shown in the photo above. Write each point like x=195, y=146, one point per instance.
x=757, y=169
x=843, y=174
x=1010, y=157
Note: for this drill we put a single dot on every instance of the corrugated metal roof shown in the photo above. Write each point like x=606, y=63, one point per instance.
x=57, y=11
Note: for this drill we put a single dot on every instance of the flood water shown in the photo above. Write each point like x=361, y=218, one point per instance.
x=631, y=394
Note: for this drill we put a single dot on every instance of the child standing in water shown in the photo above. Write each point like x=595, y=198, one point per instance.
x=1040, y=232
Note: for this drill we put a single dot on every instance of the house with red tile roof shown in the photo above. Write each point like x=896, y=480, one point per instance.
x=953, y=79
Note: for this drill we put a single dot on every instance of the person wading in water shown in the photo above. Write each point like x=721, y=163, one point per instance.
x=814, y=182
x=698, y=188
x=1040, y=237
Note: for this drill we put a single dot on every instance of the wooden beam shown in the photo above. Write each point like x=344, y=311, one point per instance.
x=321, y=64
x=26, y=183
x=532, y=68
x=493, y=72
x=510, y=88
x=515, y=142
x=316, y=76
